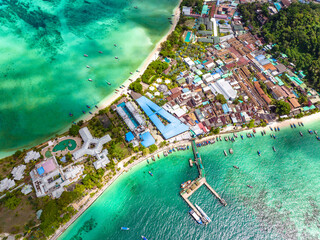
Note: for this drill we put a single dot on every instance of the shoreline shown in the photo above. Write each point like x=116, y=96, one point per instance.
x=307, y=119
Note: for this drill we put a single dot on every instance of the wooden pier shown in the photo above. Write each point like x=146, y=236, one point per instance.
x=197, y=183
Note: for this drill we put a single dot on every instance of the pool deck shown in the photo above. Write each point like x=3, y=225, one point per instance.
x=64, y=152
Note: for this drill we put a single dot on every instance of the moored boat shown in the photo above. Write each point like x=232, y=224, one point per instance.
x=144, y=238
x=317, y=137
x=203, y=213
x=241, y=136
x=100, y=52
x=150, y=173
x=274, y=149
x=259, y=153
x=271, y=128
x=310, y=131
x=185, y=184
x=195, y=216
x=85, y=55
x=294, y=126
x=84, y=112
x=96, y=106
x=90, y=80
x=70, y=114
x=249, y=186
x=88, y=106
x=236, y=167
x=230, y=151
x=302, y=124
x=278, y=129
x=125, y=228
x=225, y=153
x=315, y=132
x=90, y=113
x=301, y=134
x=226, y=139
x=88, y=66
x=291, y=125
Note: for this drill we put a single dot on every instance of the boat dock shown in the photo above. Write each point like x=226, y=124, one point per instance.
x=197, y=183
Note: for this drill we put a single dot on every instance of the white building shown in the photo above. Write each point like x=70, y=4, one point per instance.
x=189, y=62
x=186, y=10
x=73, y=173
x=18, y=172
x=6, y=184
x=91, y=146
x=224, y=88
x=103, y=159
x=32, y=155
x=26, y=189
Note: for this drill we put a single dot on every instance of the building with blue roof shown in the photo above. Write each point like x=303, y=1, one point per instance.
x=40, y=170
x=260, y=57
x=146, y=139
x=225, y=108
x=129, y=136
x=173, y=126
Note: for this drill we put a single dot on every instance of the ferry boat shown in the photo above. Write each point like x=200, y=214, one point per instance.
x=225, y=153
x=230, y=151
x=301, y=134
x=249, y=186
x=144, y=238
x=259, y=153
x=203, y=213
x=150, y=173
x=274, y=149
x=185, y=184
x=195, y=216
x=236, y=167
x=85, y=55
x=241, y=136
x=125, y=228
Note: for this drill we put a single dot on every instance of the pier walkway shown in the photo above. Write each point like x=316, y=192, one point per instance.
x=197, y=183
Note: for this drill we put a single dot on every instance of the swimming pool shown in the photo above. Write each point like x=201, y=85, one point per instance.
x=187, y=39
x=68, y=143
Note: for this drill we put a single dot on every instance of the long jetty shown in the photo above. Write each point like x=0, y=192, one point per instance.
x=197, y=183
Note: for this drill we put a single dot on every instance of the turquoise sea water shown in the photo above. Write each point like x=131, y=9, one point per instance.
x=43, y=74
x=283, y=204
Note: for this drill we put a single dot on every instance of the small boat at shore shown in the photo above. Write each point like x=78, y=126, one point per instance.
x=225, y=153
x=70, y=114
x=310, y=131
x=249, y=186
x=144, y=238
x=291, y=125
x=301, y=134
x=125, y=228
x=294, y=126
x=241, y=136
x=220, y=138
x=90, y=113
x=88, y=106
x=271, y=128
x=236, y=167
x=150, y=173
x=274, y=149
x=315, y=132
x=274, y=136
x=84, y=112
x=302, y=124
x=318, y=138
x=299, y=124
x=96, y=106
x=158, y=155
x=230, y=151
x=278, y=129
x=226, y=139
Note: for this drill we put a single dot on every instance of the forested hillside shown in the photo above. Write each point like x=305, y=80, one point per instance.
x=296, y=32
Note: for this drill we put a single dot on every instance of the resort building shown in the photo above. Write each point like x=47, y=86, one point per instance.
x=91, y=146
x=49, y=179
x=32, y=155
x=46, y=178
x=168, y=125
x=26, y=189
x=18, y=172
x=103, y=160
x=6, y=184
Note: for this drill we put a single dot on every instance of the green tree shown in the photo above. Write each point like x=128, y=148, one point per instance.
x=12, y=202
x=302, y=99
x=222, y=21
x=136, y=86
x=202, y=27
x=153, y=148
x=74, y=130
x=220, y=98
x=215, y=130
x=282, y=107
x=251, y=124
